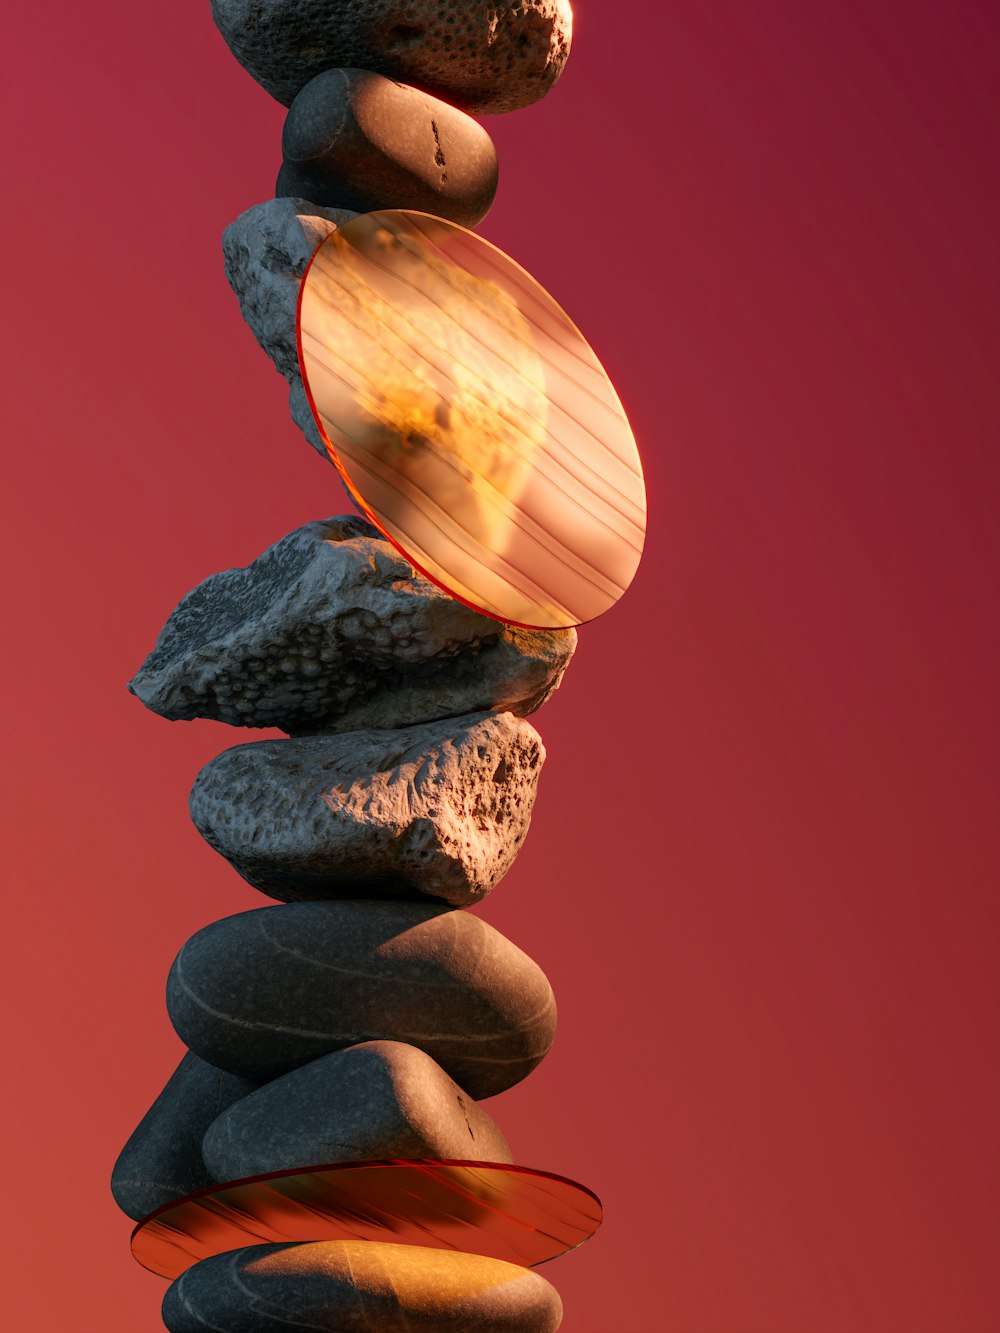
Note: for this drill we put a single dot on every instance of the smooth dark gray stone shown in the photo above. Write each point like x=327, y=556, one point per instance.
x=438, y=810
x=331, y=630
x=379, y=1100
x=480, y=55
x=355, y=140
x=356, y=1286
x=263, y=992
x=162, y=1160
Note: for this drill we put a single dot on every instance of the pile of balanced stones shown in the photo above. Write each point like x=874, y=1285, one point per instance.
x=365, y=1016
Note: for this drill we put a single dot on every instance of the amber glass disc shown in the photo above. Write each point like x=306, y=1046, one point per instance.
x=470, y=419
x=502, y=1212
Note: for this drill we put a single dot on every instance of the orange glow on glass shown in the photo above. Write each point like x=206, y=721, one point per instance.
x=470, y=420
x=502, y=1212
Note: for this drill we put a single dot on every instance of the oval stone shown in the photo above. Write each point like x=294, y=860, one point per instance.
x=355, y=140
x=375, y=1101
x=438, y=810
x=162, y=1160
x=263, y=992
x=356, y=1286
x=480, y=55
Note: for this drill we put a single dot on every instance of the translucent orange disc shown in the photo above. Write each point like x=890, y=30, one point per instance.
x=502, y=1212
x=470, y=419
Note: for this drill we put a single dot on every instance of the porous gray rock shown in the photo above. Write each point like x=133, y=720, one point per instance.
x=266, y=251
x=266, y=991
x=331, y=630
x=438, y=810
x=356, y=140
x=378, y=1100
x=484, y=56
x=162, y=1160
x=357, y=1286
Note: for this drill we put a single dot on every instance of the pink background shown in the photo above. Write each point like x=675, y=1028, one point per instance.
x=763, y=873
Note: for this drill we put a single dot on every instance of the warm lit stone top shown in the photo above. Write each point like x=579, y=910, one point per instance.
x=361, y=1286
x=480, y=55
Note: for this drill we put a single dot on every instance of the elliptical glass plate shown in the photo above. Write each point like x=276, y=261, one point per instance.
x=503, y=1212
x=470, y=419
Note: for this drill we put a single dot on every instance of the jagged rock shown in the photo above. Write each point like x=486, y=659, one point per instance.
x=356, y=140
x=357, y=1286
x=379, y=1100
x=438, y=810
x=162, y=1160
x=266, y=251
x=263, y=992
x=331, y=630
x=484, y=56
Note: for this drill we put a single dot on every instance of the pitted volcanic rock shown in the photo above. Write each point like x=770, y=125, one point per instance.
x=263, y=992
x=266, y=251
x=331, y=630
x=484, y=56
x=162, y=1160
x=438, y=810
x=356, y=140
x=378, y=1100
x=357, y=1286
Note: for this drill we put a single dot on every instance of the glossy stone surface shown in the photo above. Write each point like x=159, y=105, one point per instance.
x=330, y=630
x=358, y=141
x=480, y=55
x=359, y=1287
x=381, y=1099
x=162, y=1160
x=263, y=992
x=438, y=810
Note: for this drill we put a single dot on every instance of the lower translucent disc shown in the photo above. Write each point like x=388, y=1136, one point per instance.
x=499, y=1211
x=471, y=420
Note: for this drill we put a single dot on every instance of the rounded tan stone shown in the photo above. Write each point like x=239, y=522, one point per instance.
x=359, y=1287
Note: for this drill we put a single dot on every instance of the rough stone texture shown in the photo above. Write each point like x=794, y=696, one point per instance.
x=356, y=1286
x=379, y=1100
x=438, y=810
x=266, y=251
x=331, y=630
x=356, y=140
x=263, y=992
x=484, y=56
x=162, y=1160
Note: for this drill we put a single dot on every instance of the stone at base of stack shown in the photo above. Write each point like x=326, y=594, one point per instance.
x=359, y=1287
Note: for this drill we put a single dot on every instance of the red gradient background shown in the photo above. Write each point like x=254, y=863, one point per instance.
x=763, y=872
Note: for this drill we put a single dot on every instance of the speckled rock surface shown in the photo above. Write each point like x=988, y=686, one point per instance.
x=438, y=810
x=356, y=140
x=356, y=1286
x=382, y=1099
x=484, y=56
x=162, y=1160
x=263, y=992
x=266, y=251
x=331, y=630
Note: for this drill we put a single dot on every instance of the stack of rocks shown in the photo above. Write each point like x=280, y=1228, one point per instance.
x=364, y=1017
